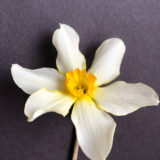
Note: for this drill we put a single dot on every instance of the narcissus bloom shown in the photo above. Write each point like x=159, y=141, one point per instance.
x=57, y=90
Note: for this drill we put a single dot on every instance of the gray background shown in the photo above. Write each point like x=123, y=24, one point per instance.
x=26, y=28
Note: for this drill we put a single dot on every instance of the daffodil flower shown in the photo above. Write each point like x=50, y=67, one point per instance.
x=57, y=90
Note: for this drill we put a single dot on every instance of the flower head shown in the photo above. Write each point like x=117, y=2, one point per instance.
x=57, y=90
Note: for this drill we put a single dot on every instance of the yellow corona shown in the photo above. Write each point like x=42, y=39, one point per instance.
x=80, y=83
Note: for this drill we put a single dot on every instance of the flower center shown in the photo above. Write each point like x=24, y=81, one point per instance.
x=80, y=83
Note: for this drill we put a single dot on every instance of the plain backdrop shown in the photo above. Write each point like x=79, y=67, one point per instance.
x=26, y=28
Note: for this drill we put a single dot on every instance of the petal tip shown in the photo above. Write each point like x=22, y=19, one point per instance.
x=61, y=25
x=14, y=66
x=118, y=41
x=14, y=70
x=30, y=120
x=158, y=102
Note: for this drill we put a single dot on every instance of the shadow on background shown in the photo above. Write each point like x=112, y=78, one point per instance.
x=46, y=51
x=71, y=148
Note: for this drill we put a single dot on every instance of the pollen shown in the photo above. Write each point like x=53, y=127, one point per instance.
x=80, y=83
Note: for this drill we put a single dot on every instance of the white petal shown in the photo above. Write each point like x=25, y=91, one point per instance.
x=66, y=41
x=94, y=128
x=32, y=80
x=44, y=101
x=121, y=98
x=107, y=61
